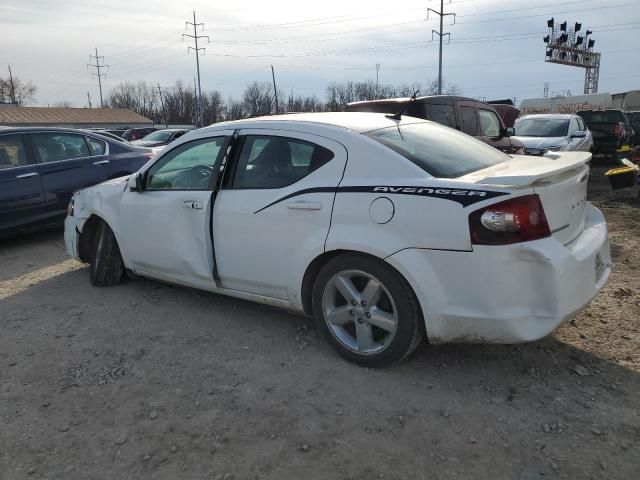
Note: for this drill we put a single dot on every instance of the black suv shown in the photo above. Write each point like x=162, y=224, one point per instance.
x=611, y=130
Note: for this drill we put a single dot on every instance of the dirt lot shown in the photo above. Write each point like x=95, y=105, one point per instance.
x=151, y=381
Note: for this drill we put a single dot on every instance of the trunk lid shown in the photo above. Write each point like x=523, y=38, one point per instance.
x=559, y=179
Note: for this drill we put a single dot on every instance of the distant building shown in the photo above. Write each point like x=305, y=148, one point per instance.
x=71, y=117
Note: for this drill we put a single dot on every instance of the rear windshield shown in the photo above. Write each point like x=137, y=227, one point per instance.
x=542, y=127
x=159, y=136
x=606, y=116
x=438, y=150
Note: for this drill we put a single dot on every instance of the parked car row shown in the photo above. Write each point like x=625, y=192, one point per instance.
x=40, y=168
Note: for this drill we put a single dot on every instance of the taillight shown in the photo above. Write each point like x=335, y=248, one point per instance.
x=618, y=131
x=519, y=219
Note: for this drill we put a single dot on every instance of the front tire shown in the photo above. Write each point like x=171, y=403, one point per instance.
x=367, y=310
x=107, y=267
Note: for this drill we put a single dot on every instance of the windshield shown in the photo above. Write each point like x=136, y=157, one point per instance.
x=542, y=127
x=159, y=136
x=440, y=151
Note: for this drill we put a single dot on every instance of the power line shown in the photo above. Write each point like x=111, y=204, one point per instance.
x=98, y=74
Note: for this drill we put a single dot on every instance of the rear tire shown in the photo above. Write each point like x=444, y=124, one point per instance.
x=379, y=323
x=107, y=267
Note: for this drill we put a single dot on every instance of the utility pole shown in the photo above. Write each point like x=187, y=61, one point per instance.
x=195, y=37
x=99, y=75
x=13, y=88
x=164, y=115
x=195, y=102
x=89, y=99
x=377, y=72
x=275, y=90
x=441, y=14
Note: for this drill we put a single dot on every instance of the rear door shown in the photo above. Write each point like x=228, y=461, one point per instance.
x=21, y=196
x=275, y=210
x=66, y=165
x=469, y=119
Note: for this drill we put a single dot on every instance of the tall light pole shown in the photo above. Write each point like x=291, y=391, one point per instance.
x=195, y=37
x=441, y=14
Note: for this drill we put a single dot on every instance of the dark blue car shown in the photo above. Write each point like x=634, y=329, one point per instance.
x=40, y=168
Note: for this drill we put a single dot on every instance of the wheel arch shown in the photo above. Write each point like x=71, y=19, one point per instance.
x=313, y=269
x=87, y=235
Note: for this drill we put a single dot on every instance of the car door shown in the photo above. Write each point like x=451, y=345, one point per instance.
x=66, y=165
x=469, y=119
x=21, y=196
x=492, y=131
x=275, y=209
x=164, y=230
x=582, y=143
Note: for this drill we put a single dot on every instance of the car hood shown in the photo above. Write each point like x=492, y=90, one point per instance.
x=541, y=142
x=147, y=143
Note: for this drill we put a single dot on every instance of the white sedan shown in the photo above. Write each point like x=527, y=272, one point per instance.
x=386, y=230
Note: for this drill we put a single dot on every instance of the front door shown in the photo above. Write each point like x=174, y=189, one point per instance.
x=275, y=209
x=20, y=183
x=165, y=229
x=492, y=132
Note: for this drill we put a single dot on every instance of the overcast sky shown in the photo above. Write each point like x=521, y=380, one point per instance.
x=496, y=48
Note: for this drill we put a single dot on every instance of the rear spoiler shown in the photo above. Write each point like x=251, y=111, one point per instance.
x=525, y=170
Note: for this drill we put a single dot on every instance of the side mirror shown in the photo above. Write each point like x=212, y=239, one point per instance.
x=579, y=134
x=136, y=183
x=509, y=132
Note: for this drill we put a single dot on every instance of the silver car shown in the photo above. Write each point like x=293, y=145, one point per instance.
x=541, y=133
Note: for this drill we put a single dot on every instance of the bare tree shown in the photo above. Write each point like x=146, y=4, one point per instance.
x=258, y=98
x=24, y=92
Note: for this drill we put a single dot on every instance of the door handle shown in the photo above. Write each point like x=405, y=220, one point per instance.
x=192, y=204
x=27, y=175
x=101, y=162
x=304, y=205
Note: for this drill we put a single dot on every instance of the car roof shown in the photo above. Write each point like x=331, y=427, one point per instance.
x=5, y=129
x=550, y=116
x=356, y=121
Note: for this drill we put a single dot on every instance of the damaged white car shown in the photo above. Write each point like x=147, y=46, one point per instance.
x=386, y=229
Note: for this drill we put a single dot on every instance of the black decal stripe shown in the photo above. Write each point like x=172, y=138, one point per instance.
x=452, y=194
x=298, y=193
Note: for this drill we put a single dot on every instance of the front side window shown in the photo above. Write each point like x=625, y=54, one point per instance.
x=12, y=152
x=187, y=167
x=438, y=150
x=54, y=147
x=469, y=120
x=275, y=162
x=489, y=123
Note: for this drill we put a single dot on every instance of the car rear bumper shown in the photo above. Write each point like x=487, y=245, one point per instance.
x=507, y=294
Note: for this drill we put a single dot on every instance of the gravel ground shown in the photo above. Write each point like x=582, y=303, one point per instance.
x=147, y=380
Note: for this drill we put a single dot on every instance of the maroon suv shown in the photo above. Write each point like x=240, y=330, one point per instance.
x=473, y=117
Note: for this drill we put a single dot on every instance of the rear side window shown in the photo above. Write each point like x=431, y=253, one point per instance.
x=442, y=114
x=440, y=151
x=96, y=147
x=275, y=162
x=54, y=147
x=469, y=120
x=12, y=151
